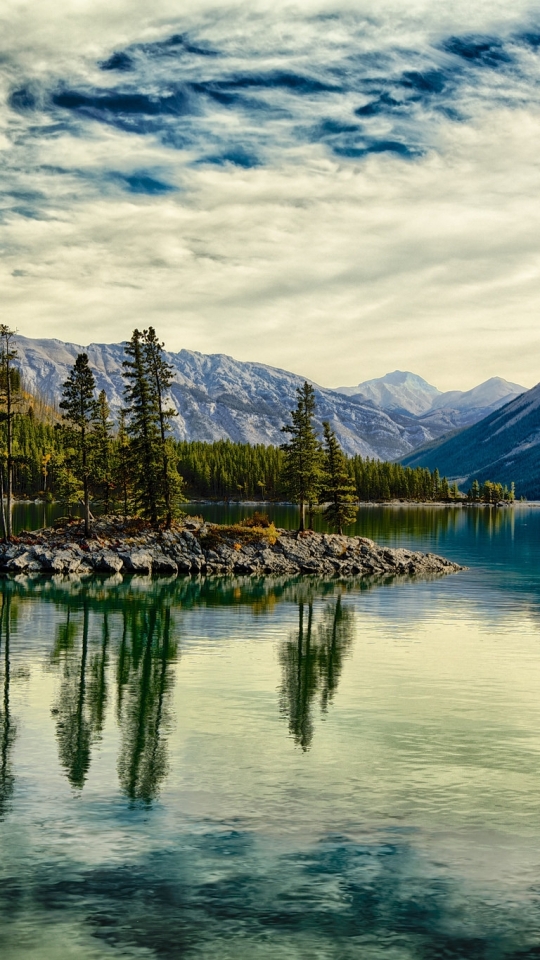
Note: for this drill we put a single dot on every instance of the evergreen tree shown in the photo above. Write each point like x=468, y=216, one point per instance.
x=121, y=462
x=302, y=454
x=161, y=376
x=338, y=488
x=102, y=449
x=143, y=429
x=10, y=385
x=81, y=411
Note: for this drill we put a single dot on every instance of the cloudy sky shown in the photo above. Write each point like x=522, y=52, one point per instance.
x=338, y=189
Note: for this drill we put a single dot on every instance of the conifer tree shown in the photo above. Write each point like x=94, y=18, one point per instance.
x=143, y=428
x=338, y=488
x=302, y=454
x=161, y=376
x=102, y=448
x=153, y=457
x=121, y=461
x=80, y=411
x=10, y=385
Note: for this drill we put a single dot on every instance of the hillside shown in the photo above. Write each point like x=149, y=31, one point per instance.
x=503, y=447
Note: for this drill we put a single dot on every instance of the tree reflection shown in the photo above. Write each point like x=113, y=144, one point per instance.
x=7, y=727
x=80, y=709
x=73, y=728
x=311, y=663
x=145, y=679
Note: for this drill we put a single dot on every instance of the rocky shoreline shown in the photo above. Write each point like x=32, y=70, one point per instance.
x=194, y=547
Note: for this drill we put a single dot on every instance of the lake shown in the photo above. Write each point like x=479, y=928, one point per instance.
x=289, y=768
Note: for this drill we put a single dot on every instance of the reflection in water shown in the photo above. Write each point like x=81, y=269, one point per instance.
x=144, y=653
x=73, y=725
x=423, y=845
x=7, y=727
x=145, y=680
x=312, y=662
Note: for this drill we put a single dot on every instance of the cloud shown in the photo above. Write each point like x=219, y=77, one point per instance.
x=338, y=190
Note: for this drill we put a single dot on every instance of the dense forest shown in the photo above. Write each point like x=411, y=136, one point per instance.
x=220, y=471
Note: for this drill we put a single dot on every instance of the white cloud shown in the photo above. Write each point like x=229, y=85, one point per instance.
x=339, y=269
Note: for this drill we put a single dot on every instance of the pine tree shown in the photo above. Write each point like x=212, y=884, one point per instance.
x=161, y=376
x=153, y=456
x=121, y=462
x=10, y=385
x=338, y=488
x=302, y=454
x=102, y=449
x=143, y=429
x=80, y=411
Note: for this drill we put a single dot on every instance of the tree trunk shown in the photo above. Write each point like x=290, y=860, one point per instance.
x=302, y=526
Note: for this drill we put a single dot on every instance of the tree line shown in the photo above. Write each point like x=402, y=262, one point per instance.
x=79, y=455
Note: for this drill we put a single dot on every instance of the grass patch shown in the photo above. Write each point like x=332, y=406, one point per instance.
x=238, y=534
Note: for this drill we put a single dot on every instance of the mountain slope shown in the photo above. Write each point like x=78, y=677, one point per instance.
x=504, y=447
x=219, y=397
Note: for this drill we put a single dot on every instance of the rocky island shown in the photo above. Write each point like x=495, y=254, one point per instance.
x=195, y=547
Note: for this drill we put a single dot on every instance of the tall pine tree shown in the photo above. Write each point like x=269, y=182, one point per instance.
x=143, y=429
x=81, y=411
x=161, y=376
x=338, y=487
x=302, y=454
x=102, y=472
x=148, y=377
x=10, y=385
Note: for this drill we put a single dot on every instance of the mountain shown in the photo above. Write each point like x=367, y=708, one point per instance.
x=399, y=390
x=218, y=397
x=503, y=447
x=439, y=412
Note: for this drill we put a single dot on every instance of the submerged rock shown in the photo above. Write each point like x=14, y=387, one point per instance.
x=120, y=546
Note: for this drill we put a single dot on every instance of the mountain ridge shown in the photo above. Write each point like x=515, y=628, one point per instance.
x=504, y=447
x=217, y=397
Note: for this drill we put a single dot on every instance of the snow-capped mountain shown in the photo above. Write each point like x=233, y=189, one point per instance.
x=399, y=390
x=218, y=397
x=439, y=411
x=504, y=447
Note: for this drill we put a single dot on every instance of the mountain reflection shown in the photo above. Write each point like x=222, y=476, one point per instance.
x=7, y=727
x=312, y=661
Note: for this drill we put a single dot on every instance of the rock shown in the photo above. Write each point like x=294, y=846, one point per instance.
x=164, y=564
x=108, y=562
x=138, y=561
x=118, y=546
x=20, y=562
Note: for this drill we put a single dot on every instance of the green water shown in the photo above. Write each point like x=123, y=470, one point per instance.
x=258, y=768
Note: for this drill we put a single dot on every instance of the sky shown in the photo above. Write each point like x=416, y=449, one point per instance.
x=336, y=189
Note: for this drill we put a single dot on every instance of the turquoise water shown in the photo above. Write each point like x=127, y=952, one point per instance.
x=278, y=768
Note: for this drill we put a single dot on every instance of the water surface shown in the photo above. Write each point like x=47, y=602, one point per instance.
x=248, y=767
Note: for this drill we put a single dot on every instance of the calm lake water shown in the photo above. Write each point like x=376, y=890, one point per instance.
x=255, y=768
